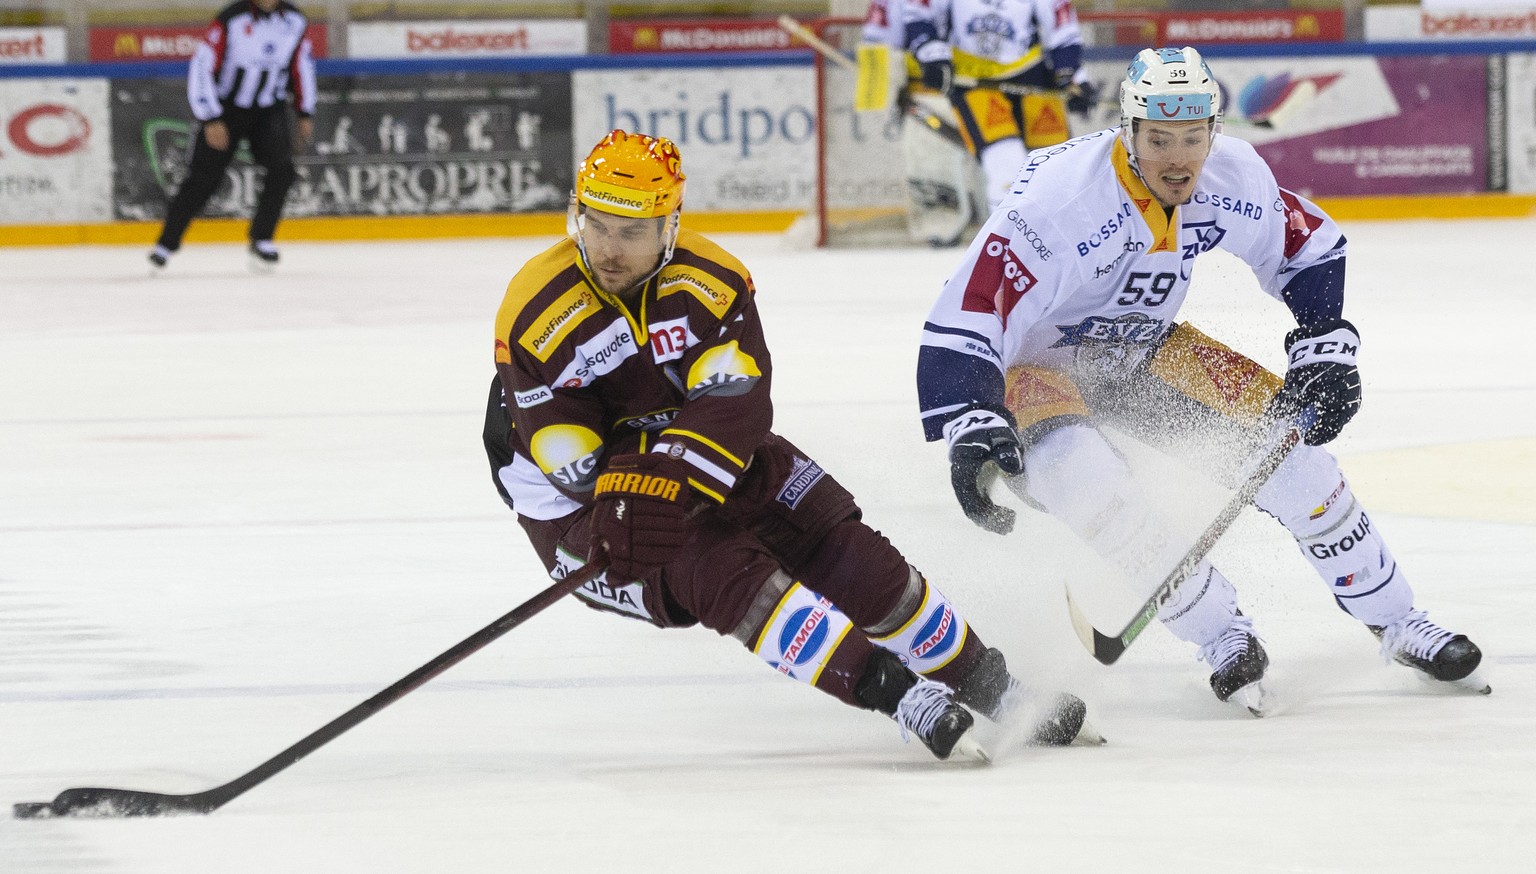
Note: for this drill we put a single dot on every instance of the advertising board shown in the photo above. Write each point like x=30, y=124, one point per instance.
x=427, y=144
x=747, y=134
x=466, y=39
x=55, y=151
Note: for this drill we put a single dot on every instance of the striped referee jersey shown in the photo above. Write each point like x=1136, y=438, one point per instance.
x=252, y=59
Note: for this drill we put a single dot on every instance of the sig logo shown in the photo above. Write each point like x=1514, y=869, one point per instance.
x=567, y=454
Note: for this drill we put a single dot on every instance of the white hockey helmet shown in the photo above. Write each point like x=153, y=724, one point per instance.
x=1169, y=85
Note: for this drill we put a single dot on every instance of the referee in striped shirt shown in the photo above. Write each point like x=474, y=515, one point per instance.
x=255, y=54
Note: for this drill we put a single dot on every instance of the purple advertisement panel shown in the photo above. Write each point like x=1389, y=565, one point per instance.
x=1365, y=126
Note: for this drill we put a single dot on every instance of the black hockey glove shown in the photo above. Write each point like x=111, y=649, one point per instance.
x=1082, y=97
x=1322, y=375
x=935, y=59
x=977, y=438
x=639, y=513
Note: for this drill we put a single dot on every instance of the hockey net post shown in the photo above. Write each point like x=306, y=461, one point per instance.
x=867, y=193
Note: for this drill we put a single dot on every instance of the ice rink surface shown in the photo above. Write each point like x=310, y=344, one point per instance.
x=233, y=506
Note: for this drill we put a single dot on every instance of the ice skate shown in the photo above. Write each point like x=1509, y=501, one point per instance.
x=929, y=711
x=158, y=258
x=1238, y=663
x=994, y=693
x=1437, y=654
x=263, y=256
x=920, y=706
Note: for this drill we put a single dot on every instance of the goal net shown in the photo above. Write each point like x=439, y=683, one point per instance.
x=884, y=178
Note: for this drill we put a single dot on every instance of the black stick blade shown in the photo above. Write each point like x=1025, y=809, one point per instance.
x=109, y=803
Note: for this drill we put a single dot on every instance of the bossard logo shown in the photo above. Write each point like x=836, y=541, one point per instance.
x=645, y=38
x=126, y=45
x=1107, y=229
x=936, y=636
x=802, y=476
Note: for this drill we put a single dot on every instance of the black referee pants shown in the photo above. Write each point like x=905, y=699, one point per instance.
x=271, y=142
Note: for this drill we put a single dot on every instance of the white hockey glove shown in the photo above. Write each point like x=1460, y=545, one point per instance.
x=1322, y=375
x=977, y=438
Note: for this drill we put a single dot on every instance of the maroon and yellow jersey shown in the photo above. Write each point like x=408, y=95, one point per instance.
x=586, y=377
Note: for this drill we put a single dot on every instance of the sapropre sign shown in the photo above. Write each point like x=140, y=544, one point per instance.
x=466, y=39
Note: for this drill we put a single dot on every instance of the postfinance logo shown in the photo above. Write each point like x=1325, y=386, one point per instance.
x=556, y=322
x=617, y=200
x=567, y=454
x=710, y=291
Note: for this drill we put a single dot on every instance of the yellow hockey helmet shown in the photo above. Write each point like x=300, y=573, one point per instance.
x=632, y=175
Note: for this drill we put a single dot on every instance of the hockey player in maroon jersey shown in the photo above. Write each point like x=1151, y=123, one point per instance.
x=629, y=424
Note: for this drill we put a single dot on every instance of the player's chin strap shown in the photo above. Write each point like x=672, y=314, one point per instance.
x=574, y=225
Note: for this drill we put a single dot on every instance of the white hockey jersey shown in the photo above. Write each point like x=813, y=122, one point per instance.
x=1080, y=254
x=996, y=39
x=249, y=58
x=885, y=24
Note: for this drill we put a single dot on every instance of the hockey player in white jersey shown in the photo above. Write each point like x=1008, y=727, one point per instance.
x=1011, y=70
x=1061, y=317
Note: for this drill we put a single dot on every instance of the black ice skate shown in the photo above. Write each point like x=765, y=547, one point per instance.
x=263, y=256
x=1436, y=653
x=1238, y=662
x=994, y=693
x=158, y=258
x=920, y=706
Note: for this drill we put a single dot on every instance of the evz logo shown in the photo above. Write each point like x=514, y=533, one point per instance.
x=1129, y=328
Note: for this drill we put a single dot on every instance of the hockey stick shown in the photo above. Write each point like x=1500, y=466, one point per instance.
x=1107, y=648
x=908, y=106
x=93, y=802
